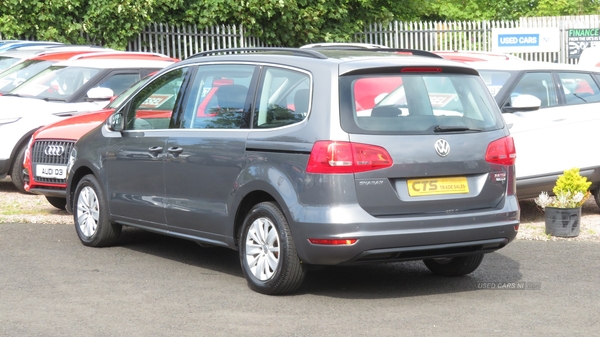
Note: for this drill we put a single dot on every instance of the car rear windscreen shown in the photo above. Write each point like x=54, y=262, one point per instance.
x=416, y=103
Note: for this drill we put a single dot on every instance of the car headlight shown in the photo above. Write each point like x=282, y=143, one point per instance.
x=72, y=158
x=8, y=120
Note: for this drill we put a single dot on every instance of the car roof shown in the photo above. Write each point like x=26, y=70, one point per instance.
x=528, y=65
x=50, y=53
x=343, y=45
x=22, y=53
x=20, y=44
x=66, y=54
x=348, y=59
x=106, y=60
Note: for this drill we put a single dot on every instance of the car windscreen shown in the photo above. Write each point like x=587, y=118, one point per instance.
x=414, y=103
x=6, y=62
x=56, y=82
x=16, y=75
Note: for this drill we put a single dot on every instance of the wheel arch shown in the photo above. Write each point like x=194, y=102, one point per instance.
x=23, y=141
x=270, y=184
x=74, y=178
x=245, y=205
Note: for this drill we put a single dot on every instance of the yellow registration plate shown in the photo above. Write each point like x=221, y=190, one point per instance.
x=433, y=186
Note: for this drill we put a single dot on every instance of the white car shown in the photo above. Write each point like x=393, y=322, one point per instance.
x=553, y=112
x=80, y=85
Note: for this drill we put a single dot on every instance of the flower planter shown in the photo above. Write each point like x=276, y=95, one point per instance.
x=563, y=222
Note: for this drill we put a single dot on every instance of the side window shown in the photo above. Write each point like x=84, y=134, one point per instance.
x=494, y=80
x=152, y=107
x=579, y=88
x=283, y=98
x=219, y=97
x=119, y=82
x=539, y=85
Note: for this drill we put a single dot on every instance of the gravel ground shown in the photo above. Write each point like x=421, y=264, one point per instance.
x=27, y=208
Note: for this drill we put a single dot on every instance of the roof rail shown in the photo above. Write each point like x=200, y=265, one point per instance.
x=104, y=54
x=281, y=50
x=369, y=48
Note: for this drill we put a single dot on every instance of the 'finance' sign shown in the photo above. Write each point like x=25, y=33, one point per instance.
x=580, y=39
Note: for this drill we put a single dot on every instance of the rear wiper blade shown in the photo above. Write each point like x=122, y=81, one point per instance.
x=9, y=94
x=449, y=128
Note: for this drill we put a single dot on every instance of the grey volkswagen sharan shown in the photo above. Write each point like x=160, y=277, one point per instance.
x=299, y=158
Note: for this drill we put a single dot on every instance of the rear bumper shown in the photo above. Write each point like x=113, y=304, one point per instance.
x=403, y=239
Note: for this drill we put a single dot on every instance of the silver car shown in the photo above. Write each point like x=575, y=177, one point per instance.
x=300, y=158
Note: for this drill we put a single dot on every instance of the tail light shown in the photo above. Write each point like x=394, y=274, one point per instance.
x=501, y=151
x=330, y=157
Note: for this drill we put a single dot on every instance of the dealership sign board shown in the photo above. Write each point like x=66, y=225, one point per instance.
x=525, y=40
x=582, y=38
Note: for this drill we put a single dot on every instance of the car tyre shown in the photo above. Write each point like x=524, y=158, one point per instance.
x=596, y=194
x=58, y=202
x=16, y=172
x=454, y=266
x=267, y=252
x=90, y=214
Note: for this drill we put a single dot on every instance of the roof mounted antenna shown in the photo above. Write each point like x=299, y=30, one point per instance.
x=272, y=50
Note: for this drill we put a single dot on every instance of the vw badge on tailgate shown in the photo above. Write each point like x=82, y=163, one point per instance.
x=442, y=147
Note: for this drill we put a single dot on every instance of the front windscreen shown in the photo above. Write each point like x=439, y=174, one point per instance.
x=56, y=83
x=16, y=75
x=6, y=62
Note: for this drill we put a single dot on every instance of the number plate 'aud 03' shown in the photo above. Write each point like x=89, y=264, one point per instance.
x=433, y=186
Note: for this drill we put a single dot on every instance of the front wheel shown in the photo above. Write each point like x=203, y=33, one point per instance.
x=90, y=214
x=596, y=194
x=267, y=252
x=454, y=266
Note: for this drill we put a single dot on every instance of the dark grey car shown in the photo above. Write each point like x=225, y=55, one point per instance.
x=301, y=157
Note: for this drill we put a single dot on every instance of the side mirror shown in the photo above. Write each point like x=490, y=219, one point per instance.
x=100, y=94
x=523, y=103
x=115, y=122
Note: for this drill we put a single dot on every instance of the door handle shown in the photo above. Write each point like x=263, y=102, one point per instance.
x=155, y=151
x=175, y=151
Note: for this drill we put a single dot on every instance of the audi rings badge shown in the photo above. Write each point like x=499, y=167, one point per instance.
x=54, y=150
x=442, y=147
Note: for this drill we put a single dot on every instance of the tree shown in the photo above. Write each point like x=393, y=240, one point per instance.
x=113, y=23
x=110, y=23
x=567, y=7
x=451, y=10
x=58, y=20
x=296, y=22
